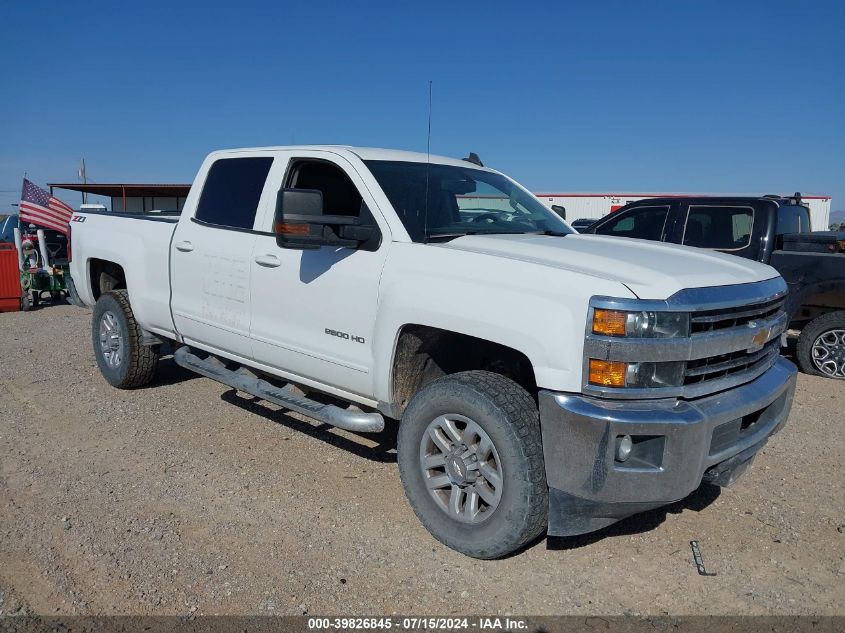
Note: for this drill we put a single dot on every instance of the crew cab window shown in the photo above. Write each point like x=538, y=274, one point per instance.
x=793, y=218
x=340, y=195
x=646, y=223
x=232, y=190
x=720, y=227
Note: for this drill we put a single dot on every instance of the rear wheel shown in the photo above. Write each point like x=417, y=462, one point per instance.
x=116, y=336
x=821, y=346
x=471, y=462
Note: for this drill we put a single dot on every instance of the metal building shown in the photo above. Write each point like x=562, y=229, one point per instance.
x=597, y=205
x=144, y=197
x=131, y=197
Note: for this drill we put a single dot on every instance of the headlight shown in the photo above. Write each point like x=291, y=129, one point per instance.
x=640, y=324
x=609, y=373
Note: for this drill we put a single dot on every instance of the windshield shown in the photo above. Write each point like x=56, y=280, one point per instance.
x=460, y=201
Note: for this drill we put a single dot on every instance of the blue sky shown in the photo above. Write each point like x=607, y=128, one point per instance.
x=668, y=96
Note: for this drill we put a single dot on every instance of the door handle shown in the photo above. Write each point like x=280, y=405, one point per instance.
x=185, y=247
x=268, y=261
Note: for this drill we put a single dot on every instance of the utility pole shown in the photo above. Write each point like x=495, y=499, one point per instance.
x=84, y=178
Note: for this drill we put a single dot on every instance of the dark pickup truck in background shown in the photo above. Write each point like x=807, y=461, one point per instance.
x=768, y=229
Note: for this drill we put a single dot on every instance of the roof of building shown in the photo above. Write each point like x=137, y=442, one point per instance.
x=130, y=190
x=640, y=194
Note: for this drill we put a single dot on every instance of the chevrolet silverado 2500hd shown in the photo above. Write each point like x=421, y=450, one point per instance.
x=541, y=379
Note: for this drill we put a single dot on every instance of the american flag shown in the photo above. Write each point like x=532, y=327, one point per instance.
x=40, y=208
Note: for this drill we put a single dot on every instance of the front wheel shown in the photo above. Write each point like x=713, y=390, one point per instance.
x=821, y=346
x=471, y=461
x=124, y=362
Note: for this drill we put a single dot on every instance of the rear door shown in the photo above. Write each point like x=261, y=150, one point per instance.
x=730, y=227
x=211, y=253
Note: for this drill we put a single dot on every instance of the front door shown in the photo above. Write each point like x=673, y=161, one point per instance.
x=314, y=311
x=211, y=255
x=647, y=222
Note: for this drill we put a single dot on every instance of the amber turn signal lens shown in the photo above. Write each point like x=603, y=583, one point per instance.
x=609, y=322
x=607, y=373
x=292, y=229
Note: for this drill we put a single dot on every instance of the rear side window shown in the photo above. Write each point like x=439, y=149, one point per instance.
x=720, y=227
x=232, y=191
x=793, y=218
x=645, y=223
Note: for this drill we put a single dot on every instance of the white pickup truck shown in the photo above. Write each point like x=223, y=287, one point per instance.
x=540, y=379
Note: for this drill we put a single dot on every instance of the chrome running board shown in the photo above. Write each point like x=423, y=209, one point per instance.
x=244, y=380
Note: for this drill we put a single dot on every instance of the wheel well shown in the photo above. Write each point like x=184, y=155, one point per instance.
x=105, y=276
x=426, y=353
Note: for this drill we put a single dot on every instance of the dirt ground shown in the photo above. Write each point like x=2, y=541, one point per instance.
x=184, y=497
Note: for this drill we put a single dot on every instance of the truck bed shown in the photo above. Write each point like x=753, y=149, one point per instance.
x=811, y=275
x=140, y=244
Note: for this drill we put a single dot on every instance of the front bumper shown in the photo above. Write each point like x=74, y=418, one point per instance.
x=677, y=444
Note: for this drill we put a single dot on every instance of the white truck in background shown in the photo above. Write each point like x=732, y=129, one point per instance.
x=541, y=379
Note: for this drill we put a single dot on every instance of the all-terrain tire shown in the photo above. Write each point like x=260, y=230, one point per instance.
x=508, y=415
x=137, y=363
x=827, y=323
x=72, y=294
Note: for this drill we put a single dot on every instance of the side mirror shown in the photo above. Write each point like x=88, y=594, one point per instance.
x=300, y=222
x=561, y=211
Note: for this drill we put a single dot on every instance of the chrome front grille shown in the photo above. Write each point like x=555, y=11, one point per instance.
x=712, y=320
x=736, y=364
x=724, y=365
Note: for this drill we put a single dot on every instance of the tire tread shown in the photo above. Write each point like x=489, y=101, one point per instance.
x=804, y=350
x=520, y=409
x=143, y=359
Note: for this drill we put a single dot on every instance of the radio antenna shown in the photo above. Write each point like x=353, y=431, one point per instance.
x=427, y=163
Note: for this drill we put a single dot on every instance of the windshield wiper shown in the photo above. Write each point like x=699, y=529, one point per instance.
x=452, y=236
x=445, y=236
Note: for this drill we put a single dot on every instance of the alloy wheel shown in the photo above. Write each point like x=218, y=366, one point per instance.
x=829, y=353
x=461, y=468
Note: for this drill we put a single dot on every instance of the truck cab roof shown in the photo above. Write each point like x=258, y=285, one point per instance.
x=364, y=153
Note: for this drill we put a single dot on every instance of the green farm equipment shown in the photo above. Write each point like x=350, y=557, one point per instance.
x=43, y=265
x=37, y=281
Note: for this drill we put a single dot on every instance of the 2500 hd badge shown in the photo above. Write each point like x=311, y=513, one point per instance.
x=345, y=335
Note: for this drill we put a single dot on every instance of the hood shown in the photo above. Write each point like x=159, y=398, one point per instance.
x=651, y=270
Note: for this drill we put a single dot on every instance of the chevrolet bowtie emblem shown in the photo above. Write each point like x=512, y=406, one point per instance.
x=760, y=338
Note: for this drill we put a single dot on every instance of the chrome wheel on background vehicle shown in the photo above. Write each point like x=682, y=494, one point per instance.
x=821, y=346
x=461, y=468
x=111, y=340
x=829, y=353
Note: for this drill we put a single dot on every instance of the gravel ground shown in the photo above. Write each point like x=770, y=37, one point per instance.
x=185, y=497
